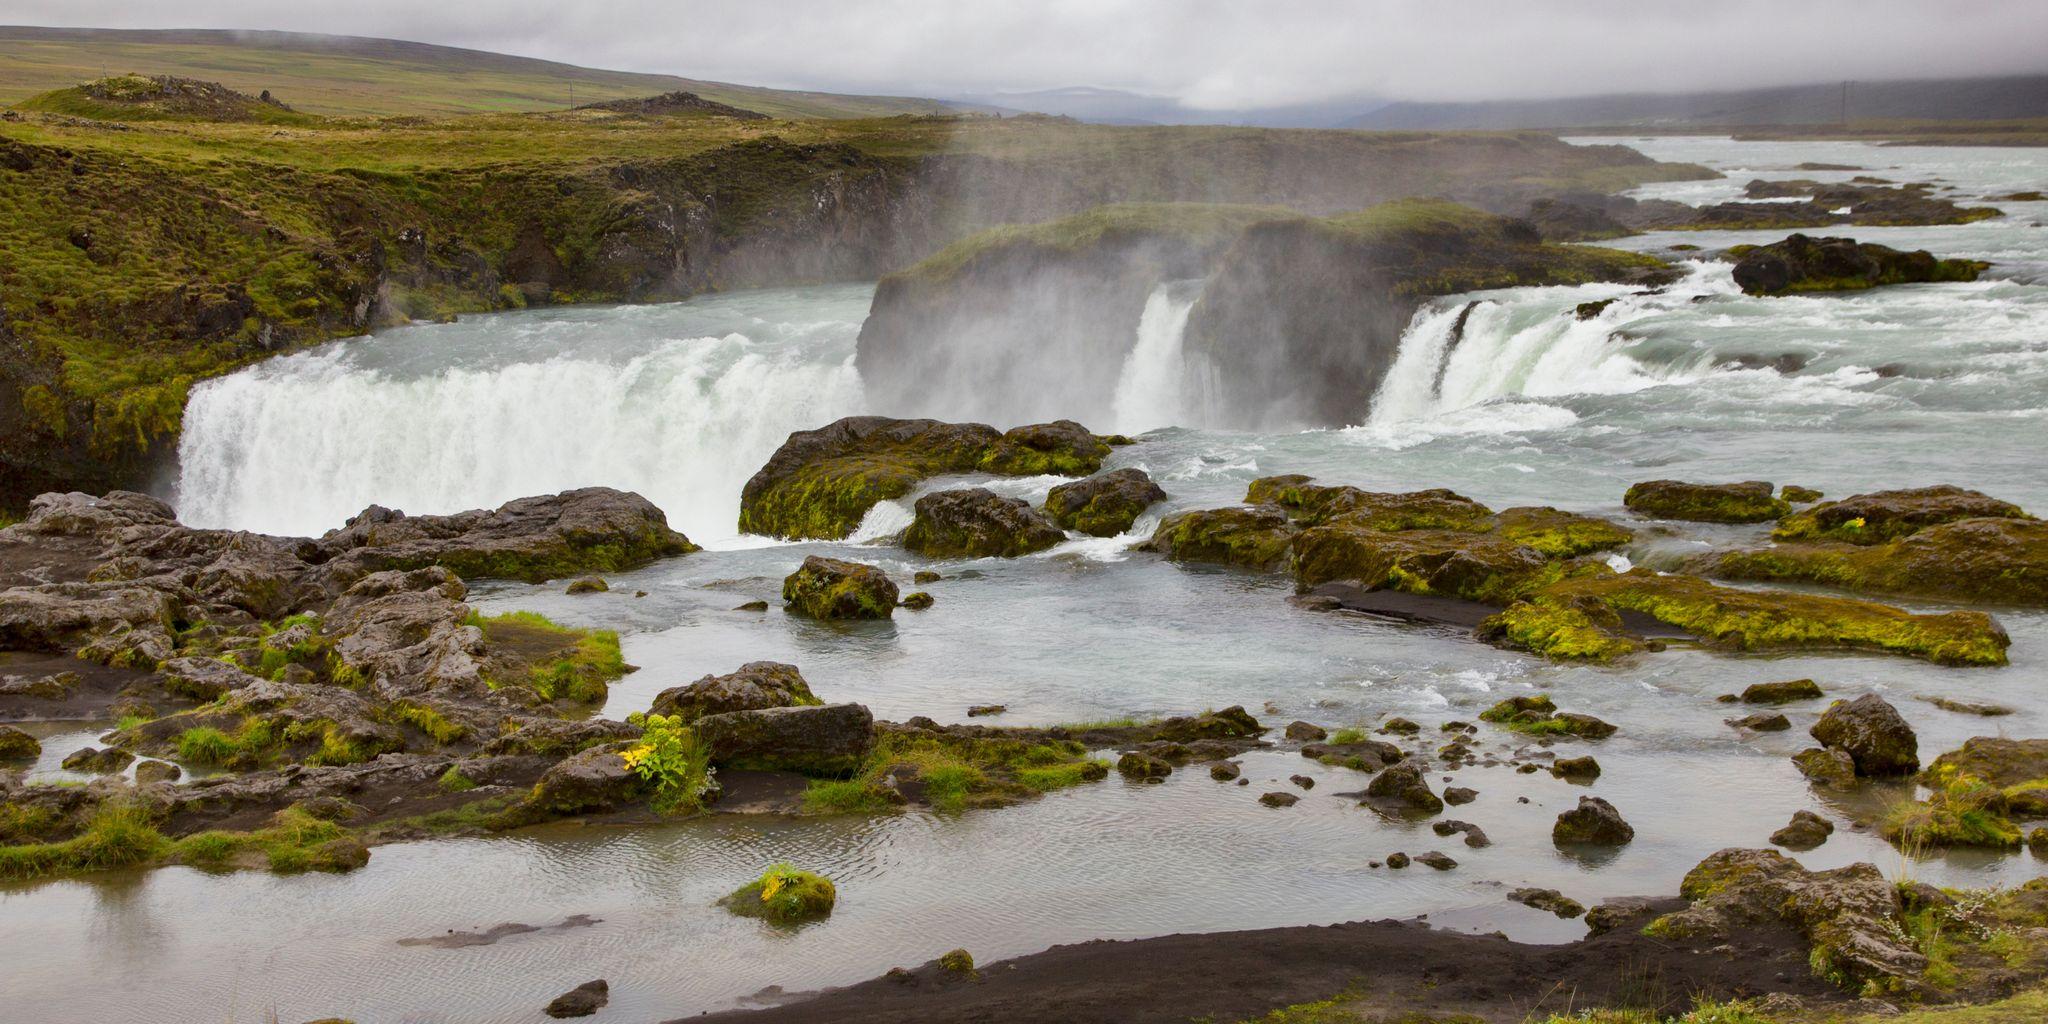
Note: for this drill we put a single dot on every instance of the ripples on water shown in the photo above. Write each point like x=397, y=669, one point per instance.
x=1900, y=387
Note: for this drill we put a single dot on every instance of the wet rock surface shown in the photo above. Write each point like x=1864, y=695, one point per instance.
x=1104, y=505
x=755, y=686
x=831, y=588
x=1594, y=822
x=1872, y=733
x=1804, y=264
x=1748, y=502
x=975, y=522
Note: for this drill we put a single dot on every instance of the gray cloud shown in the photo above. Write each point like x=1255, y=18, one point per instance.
x=1211, y=54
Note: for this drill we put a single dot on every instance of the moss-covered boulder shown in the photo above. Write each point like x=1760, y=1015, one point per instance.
x=820, y=483
x=784, y=895
x=829, y=588
x=975, y=522
x=825, y=739
x=1402, y=788
x=1993, y=560
x=1449, y=563
x=1884, y=516
x=1747, y=502
x=1851, y=917
x=1059, y=448
x=1537, y=715
x=757, y=685
x=1313, y=503
x=1103, y=505
x=1804, y=264
x=1873, y=733
x=1257, y=537
x=16, y=745
x=1560, y=534
x=2017, y=769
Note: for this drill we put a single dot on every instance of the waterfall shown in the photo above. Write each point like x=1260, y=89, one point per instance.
x=297, y=445
x=1530, y=343
x=1149, y=390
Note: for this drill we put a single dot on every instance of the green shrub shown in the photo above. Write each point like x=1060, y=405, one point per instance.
x=672, y=759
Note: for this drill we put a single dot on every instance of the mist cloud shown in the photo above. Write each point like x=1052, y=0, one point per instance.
x=1210, y=54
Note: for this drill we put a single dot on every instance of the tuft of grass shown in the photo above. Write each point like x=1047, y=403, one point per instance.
x=957, y=773
x=453, y=781
x=120, y=834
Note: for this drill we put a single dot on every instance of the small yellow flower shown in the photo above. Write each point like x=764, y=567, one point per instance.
x=1854, y=524
x=771, y=885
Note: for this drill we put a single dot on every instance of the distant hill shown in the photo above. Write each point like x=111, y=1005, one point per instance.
x=350, y=75
x=1820, y=104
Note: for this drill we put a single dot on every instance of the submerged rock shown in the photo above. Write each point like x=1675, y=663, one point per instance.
x=755, y=686
x=1748, y=502
x=581, y=1001
x=1871, y=731
x=828, y=588
x=1104, y=505
x=1762, y=721
x=1804, y=264
x=975, y=522
x=1594, y=822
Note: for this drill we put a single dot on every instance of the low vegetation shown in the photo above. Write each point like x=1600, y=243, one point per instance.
x=954, y=773
x=558, y=662
x=784, y=895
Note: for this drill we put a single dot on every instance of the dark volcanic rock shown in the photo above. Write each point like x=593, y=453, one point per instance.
x=1762, y=721
x=975, y=522
x=671, y=104
x=1103, y=505
x=1548, y=899
x=815, y=740
x=1306, y=731
x=1781, y=693
x=1436, y=859
x=1594, y=822
x=1279, y=799
x=1872, y=733
x=1749, y=502
x=757, y=685
x=828, y=588
x=97, y=760
x=1803, y=264
x=1144, y=767
x=1059, y=448
x=1826, y=766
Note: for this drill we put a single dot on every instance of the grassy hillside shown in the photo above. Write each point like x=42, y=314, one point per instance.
x=347, y=75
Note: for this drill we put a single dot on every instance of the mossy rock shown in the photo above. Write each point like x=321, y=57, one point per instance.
x=1762, y=620
x=785, y=896
x=1873, y=733
x=1990, y=560
x=1446, y=563
x=1315, y=504
x=16, y=745
x=1255, y=538
x=1104, y=505
x=756, y=685
x=828, y=588
x=1884, y=516
x=975, y=522
x=1782, y=692
x=1560, y=534
x=1804, y=264
x=1059, y=448
x=821, y=483
x=1747, y=502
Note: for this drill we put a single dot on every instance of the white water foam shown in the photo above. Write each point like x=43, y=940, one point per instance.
x=299, y=444
x=1149, y=388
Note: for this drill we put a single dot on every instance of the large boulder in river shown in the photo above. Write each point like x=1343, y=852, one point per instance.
x=1594, y=822
x=1059, y=448
x=1748, y=502
x=975, y=522
x=16, y=745
x=1872, y=733
x=594, y=529
x=757, y=685
x=1103, y=505
x=1804, y=264
x=829, y=588
x=1257, y=537
x=828, y=739
x=1403, y=789
x=821, y=483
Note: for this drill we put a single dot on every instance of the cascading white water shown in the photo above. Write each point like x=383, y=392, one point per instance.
x=299, y=444
x=1528, y=343
x=1149, y=388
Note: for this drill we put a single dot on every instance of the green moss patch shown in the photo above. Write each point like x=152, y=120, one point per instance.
x=952, y=772
x=558, y=662
x=784, y=895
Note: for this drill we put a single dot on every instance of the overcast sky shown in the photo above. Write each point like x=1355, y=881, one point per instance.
x=1210, y=54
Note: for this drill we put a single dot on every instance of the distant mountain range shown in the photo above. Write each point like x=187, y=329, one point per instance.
x=1965, y=99
x=1116, y=106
